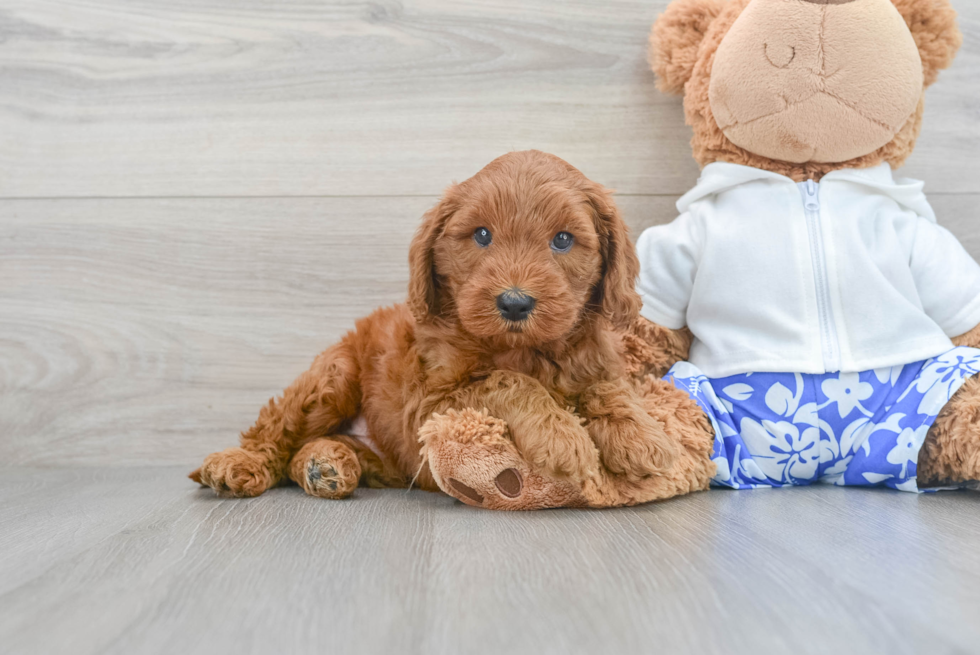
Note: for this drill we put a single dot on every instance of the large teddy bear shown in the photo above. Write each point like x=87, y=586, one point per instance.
x=817, y=323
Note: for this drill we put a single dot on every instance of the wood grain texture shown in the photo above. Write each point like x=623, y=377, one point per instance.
x=220, y=188
x=151, y=331
x=311, y=97
x=801, y=570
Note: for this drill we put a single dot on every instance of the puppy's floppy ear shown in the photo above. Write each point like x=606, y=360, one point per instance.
x=675, y=39
x=423, y=281
x=933, y=26
x=615, y=294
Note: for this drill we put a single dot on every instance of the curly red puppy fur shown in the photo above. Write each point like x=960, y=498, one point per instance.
x=519, y=278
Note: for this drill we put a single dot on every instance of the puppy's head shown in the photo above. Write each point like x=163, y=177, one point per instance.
x=522, y=252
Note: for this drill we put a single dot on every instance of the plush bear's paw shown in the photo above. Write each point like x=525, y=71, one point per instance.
x=472, y=459
x=234, y=472
x=326, y=469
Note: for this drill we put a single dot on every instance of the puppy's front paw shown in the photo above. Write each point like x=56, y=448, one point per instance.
x=234, y=472
x=636, y=447
x=326, y=469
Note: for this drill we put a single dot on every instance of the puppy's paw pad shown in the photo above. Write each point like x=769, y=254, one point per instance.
x=325, y=481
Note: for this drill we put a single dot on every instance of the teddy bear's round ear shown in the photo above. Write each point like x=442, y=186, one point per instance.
x=933, y=26
x=675, y=39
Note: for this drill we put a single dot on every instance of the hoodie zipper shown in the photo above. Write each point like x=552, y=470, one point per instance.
x=810, y=191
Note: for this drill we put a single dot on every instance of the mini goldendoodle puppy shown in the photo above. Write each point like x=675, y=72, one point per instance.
x=520, y=277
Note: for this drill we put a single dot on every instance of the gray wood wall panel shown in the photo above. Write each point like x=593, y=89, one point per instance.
x=150, y=301
x=151, y=331
x=302, y=97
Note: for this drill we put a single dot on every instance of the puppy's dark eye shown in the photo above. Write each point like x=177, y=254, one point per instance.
x=482, y=237
x=562, y=242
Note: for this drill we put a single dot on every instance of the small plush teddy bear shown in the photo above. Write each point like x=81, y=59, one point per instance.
x=834, y=322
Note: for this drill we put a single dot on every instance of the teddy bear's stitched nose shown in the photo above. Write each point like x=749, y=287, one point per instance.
x=828, y=2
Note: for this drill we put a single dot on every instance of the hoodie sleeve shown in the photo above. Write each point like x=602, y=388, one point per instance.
x=669, y=257
x=946, y=277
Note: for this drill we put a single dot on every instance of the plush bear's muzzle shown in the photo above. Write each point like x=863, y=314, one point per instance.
x=815, y=81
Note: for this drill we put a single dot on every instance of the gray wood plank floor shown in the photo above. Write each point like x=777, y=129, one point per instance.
x=138, y=561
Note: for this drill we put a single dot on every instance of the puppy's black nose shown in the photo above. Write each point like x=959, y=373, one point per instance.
x=515, y=305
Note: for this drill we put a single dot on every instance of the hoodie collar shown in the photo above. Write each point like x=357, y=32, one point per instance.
x=721, y=176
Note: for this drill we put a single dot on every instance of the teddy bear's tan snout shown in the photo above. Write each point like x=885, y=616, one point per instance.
x=815, y=81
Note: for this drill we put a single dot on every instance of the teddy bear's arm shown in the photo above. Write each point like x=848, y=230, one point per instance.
x=947, y=279
x=472, y=458
x=971, y=338
x=550, y=437
x=649, y=348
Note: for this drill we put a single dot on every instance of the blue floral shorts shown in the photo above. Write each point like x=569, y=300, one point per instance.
x=863, y=429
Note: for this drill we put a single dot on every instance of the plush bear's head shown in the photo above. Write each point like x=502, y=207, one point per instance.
x=803, y=87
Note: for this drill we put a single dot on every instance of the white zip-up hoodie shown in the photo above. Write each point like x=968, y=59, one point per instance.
x=850, y=274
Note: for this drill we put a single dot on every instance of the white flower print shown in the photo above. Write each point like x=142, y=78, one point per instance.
x=723, y=472
x=808, y=414
x=752, y=472
x=907, y=448
x=847, y=391
x=835, y=473
x=909, y=485
x=856, y=434
x=686, y=371
x=744, y=472
x=781, y=450
x=888, y=375
x=740, y=391
x=784, y=433
x=718, y=410
x=783, y=401
x=940, y=379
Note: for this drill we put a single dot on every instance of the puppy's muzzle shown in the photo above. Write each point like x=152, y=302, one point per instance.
x=515, y=305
